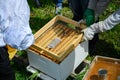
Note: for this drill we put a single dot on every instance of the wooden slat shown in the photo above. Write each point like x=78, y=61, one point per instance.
x=78, y=40
x=66, y=49
x=66, y=43
x=53, y=36
x=43, y=36
x=49, y=35
x=62, y=36
x=44, y=28
x=46, y=51
x=67, y=20
x=43, y=54
x=69, y=49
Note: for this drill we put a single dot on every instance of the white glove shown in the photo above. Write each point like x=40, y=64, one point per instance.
x=88, y=34
x=102, y=26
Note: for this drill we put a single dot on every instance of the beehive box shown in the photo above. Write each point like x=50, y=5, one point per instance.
x=112, y=66
x=57, y=38
x=56, y=51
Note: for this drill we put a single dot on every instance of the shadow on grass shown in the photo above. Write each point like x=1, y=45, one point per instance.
x=106, y=49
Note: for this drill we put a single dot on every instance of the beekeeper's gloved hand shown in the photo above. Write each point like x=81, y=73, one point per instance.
x=89, y=16
x=102, y=26
x=89, y=32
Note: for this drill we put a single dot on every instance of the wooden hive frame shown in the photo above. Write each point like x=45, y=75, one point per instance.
x=56, y=28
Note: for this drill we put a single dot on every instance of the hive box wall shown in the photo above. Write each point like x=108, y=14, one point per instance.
x=62, y=70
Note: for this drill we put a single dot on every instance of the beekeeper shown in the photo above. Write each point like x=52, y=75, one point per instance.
x=102, y=26
x=89, y=10
x=94, y=10
x=14, y=31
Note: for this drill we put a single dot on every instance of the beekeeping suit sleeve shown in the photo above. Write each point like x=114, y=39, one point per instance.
x=14, y=26
x=102, y=26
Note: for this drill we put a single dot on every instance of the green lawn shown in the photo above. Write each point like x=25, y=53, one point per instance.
x=108, y=45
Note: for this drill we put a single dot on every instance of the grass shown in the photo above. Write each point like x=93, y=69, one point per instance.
x=40, y=16
x=108, y=45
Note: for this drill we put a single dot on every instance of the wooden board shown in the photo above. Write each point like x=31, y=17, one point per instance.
x=57, y=28
x=112, y=66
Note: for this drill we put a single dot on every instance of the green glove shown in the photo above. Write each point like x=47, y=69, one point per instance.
x=89, y=16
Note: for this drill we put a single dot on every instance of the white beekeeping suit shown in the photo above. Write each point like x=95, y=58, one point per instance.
x=102, y=26
x=14, y=24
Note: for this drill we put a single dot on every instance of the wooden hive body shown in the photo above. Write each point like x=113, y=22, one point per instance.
x=58, y=34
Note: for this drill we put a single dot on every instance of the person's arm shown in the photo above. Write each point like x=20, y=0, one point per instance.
x=18, y=33
x=4, y=18
x=102, y=26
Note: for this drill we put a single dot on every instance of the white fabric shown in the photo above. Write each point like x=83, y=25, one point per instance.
x=102, y=26
x=14, y=24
